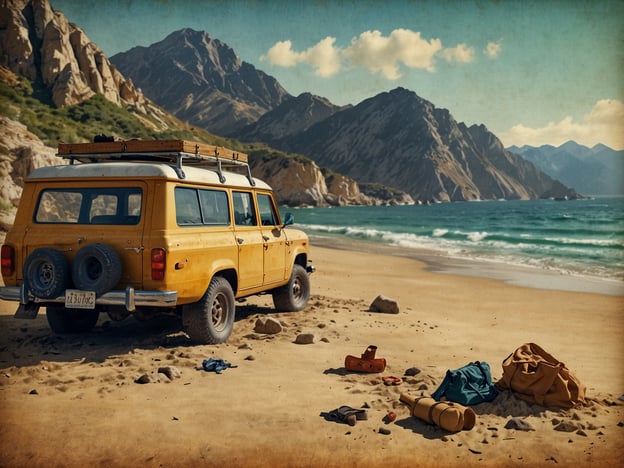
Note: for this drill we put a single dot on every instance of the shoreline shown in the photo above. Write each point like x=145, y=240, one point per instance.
x=517, y=275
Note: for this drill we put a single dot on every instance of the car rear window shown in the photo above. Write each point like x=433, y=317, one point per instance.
x=116, y=206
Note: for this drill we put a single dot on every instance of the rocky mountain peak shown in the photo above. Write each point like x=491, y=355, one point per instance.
x=292, y=116
x=189, y=72
x=39, y=43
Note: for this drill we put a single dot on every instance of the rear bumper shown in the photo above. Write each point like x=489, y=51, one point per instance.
x=129, y=298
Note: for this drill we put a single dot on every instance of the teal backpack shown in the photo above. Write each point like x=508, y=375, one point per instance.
x=468, y=385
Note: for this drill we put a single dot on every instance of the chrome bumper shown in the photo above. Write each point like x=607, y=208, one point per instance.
x=130, y=298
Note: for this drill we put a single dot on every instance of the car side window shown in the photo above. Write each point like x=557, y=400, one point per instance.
x=196, y=207
x=268, y=217
x=244, y=213
x=187, y=206
x=214, y=207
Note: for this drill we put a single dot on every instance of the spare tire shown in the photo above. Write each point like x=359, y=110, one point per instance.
x=96, y=267
x=46, y=273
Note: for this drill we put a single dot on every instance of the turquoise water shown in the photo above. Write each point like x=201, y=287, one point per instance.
x=583, y=237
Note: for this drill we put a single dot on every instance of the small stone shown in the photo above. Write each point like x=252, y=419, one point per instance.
x=581, y=432
x=170, y=372
x=519, y=424
x=566, y=426
x=245, y=346
x=268, y=326
x=144, y=379
x=325, y=339
x=384, y=431
x=384, y=305
x=250, y=358
x=412, y=371
x=33, y=392
x=305, y=338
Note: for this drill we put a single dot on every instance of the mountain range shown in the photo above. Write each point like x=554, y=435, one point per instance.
x=396, y=138
x=593, y=171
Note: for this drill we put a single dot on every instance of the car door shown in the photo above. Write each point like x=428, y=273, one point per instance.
x=249, y=240
x=273, y=238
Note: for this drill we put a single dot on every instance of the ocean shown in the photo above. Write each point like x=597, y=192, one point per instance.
x=582, y=238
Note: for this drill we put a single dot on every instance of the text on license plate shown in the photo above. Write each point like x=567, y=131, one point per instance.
x=76, y=299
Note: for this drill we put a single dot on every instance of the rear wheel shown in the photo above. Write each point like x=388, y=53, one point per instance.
x=62, y=320
x=293, y=296
x=211, y=319
x=46, y=272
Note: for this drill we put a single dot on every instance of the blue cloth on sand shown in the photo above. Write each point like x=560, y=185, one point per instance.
x=216, y=365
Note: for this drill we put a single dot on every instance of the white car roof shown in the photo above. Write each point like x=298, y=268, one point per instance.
x=143, y=170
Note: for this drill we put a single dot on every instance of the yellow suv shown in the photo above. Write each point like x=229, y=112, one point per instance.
x=150, y=227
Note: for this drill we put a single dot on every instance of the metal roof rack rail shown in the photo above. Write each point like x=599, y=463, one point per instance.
x=175, y=152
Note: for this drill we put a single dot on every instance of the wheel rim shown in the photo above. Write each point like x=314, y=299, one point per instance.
x=297, y=290
x=45, y=274
x=219, y=311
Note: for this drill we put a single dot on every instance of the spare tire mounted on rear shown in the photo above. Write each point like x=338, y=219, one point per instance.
x=96, y=267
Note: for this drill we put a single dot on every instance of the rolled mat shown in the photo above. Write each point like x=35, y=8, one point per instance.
x=445, y=414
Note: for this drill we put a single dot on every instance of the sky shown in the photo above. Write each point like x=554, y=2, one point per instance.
x=533, y=72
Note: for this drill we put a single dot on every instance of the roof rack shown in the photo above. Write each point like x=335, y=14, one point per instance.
x=175, y=152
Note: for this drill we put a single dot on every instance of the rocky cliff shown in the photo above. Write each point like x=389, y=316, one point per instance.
x=201, y=81
x=20, y=153
x=300, y=182
x=40, y=44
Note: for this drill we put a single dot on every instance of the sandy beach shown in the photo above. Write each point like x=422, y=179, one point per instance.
x=74, y=400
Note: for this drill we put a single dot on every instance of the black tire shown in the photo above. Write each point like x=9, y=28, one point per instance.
x=211, y=319
x=96, y=267
x=46, y=272
x=293, y=296
x=62, y=320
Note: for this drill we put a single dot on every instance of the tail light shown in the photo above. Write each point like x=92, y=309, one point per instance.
x=158, y=264
x=7, y=260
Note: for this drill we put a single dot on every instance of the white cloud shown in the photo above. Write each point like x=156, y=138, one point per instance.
x=461, y=53
x=385, y=54
x=281, y=54
x=493, y=49
x=603, y=124
x=373, y=51
x=324, y=57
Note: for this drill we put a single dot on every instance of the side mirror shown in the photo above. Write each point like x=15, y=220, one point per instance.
x=290, y=219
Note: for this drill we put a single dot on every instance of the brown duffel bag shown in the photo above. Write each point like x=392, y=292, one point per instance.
x=537, y=377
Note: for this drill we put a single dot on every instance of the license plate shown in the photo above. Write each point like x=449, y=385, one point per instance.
x=76, y=299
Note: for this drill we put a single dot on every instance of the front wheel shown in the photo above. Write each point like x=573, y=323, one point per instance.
x=62, y=320
x=294, y=295
x=211, y=319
